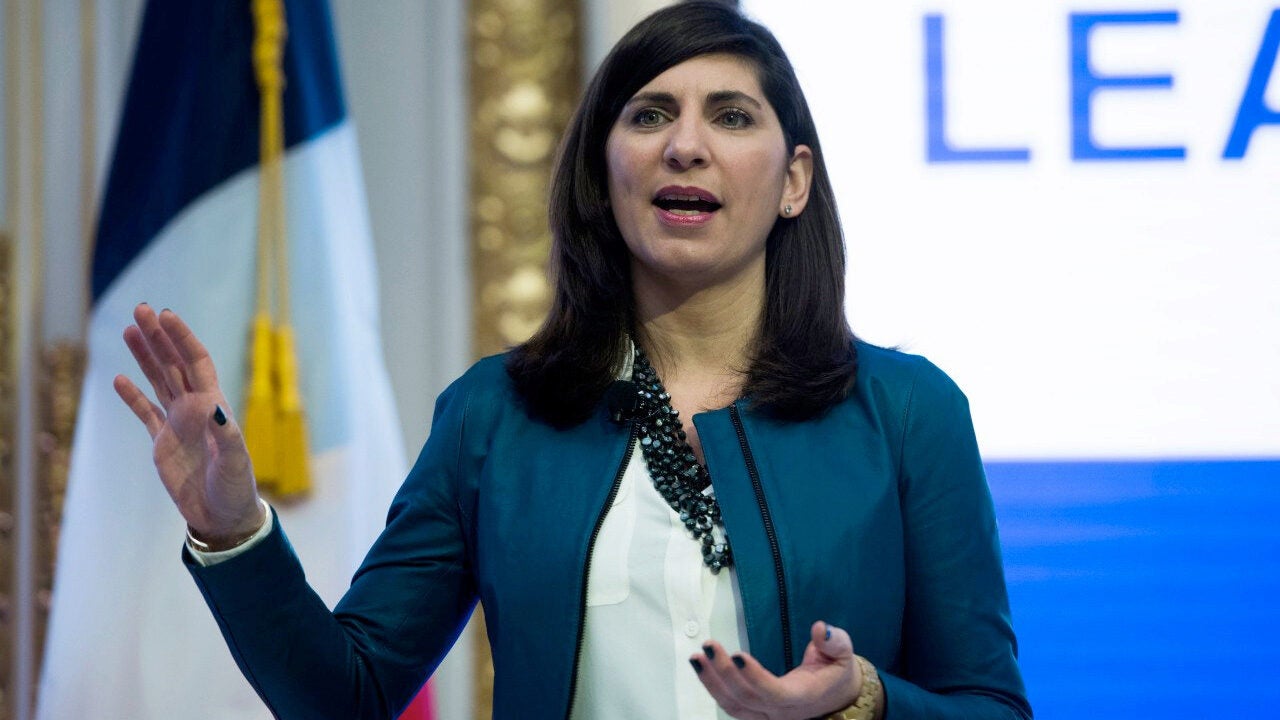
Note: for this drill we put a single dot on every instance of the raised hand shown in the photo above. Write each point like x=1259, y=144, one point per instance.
x=198, y=449
x=827, y=681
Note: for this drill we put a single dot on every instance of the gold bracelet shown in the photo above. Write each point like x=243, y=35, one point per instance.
x=197, y=544
x=866, y=705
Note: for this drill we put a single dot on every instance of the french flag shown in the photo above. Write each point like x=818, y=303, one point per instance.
x=129, y=635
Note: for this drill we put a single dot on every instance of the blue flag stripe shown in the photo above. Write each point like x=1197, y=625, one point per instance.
x=1144, y=583
x=190, y=119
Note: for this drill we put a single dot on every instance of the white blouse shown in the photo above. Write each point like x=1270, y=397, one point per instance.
x=651, y=604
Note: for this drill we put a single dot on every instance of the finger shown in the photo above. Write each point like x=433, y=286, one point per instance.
x=722, y=669
x=229, y=440
x=755, y=675
x=713, y=681
x=148, y=412
x=162, y=348
x=147, y=363
x=831, y=641
x=722, y=663
x=165, y=376
x=200, y=370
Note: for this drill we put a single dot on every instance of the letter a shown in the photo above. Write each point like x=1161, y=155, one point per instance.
x=1253, y=110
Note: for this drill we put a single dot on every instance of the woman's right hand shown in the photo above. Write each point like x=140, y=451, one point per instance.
x=198, y=449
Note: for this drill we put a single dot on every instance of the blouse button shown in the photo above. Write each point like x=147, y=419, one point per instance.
x=691, y=628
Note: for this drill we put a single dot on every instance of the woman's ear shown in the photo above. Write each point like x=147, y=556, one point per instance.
x=795, y=193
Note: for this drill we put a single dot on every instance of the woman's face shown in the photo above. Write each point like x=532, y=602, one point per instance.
x=699, y=171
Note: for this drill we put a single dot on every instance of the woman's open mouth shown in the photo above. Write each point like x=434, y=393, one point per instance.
x=682, y=204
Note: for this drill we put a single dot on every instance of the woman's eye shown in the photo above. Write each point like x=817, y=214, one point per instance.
x=734, y=119
x=648, y=117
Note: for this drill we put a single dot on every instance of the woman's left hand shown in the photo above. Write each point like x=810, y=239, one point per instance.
x=828, y=680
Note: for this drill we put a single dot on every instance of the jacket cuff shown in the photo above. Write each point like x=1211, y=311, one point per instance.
x=904, y=700
x=899, y=697
x=266, y=572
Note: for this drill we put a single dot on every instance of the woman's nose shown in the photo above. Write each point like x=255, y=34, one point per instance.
x=686, y=146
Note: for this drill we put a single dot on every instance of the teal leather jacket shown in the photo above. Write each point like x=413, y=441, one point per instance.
x=875, y=517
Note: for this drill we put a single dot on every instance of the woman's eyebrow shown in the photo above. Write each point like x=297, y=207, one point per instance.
x=718, y=97
x=721, y=97
x=656, y=98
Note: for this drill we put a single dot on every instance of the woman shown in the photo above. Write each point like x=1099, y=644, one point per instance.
x=828, y=495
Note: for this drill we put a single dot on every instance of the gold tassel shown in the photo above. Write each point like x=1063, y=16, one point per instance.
x=291, y=430
x=260, y=409
x=275, y=427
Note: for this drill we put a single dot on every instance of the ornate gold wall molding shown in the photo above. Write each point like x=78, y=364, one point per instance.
x=39, y=390
x=524, y=60
x=524, y=85
x=62, y=373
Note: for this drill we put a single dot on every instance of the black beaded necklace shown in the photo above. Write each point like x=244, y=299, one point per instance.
x=677, y=475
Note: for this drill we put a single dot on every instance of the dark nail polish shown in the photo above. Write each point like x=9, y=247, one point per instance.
x=828, y=631
x=737, y=660
x=219, y=416
x=710, y=651
x=697, y=666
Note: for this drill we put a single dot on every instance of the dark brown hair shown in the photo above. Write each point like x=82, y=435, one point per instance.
x=803, y=360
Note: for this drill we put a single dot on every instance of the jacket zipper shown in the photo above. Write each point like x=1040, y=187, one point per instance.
x=586, y=568
x=770, y=533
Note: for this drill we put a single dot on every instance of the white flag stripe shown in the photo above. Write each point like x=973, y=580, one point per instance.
x=130, y=636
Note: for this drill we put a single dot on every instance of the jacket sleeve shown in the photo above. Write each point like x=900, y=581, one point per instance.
x=404, y=609
x=959, y=656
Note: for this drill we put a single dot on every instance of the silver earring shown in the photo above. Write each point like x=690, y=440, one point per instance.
x=786, y=210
